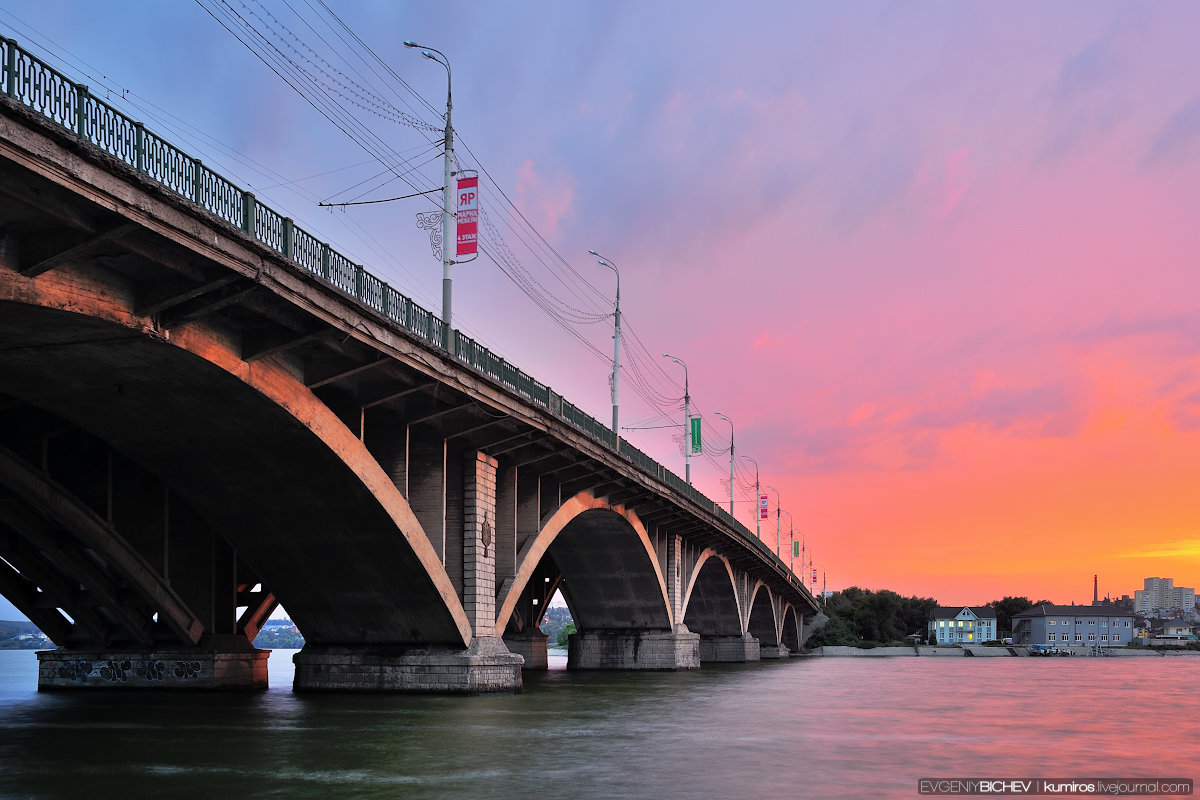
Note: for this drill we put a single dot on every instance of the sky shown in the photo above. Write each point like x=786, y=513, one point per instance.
x=934, y=260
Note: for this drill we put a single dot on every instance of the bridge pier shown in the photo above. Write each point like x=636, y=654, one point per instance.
x=532, y=646
x=623, y=649
x=178, y=668
x=769, y=651
x=729, y=649
x=486, y=667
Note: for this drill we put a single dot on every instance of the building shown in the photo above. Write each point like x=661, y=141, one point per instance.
x=1073, y=626
x=1175, y=634
x=962, y=624
x=1161, y=594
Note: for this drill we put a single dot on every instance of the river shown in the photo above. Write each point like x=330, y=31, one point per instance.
x=819, y=728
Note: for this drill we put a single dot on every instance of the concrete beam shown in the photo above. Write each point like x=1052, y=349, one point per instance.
x=80, y=250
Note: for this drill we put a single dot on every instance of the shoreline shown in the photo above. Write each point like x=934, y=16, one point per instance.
x=1016, y=651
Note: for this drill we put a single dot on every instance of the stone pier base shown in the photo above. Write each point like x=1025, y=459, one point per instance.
x=155, y=669
x=531, y=647
x=773, y=651
x=486, y=667
x=659, y=650
x=732, y=649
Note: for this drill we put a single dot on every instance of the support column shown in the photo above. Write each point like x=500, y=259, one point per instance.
x=629, y=650
x=479, y=544
x=729, y=649
x=673, y=649
x=486, y=667
x=533, y=646
x=506, y=528
x=181, y=668
x=674, y=576
x=427, y=485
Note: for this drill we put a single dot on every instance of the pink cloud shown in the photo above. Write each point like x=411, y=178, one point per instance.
x=544, y=201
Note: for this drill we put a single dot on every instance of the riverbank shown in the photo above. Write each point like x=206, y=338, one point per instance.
x=980, y=651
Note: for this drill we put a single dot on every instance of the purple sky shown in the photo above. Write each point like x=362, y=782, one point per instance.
x=935, y=260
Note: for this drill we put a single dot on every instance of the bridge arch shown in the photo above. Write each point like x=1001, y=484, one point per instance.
x=710, y=602
x=608, y=564
x=163, y=398
x=59, y=545
x=762, y=622
x=791, y=627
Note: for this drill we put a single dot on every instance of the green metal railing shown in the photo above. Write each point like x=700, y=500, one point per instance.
x=43, y=89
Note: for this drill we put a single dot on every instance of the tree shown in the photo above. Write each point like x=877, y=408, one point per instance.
x=858, y=616
x=567, y=630
x=1006, y=609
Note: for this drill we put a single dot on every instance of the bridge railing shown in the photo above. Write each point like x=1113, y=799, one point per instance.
x=40, y=87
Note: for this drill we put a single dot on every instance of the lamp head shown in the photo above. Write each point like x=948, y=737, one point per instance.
x=410, y=44
x=593, y=252
x=428, y=55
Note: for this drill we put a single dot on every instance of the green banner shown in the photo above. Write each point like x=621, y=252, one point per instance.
x=796, y=549
x=696, y=446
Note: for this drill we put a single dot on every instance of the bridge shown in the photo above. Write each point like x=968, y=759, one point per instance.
x=206, y=412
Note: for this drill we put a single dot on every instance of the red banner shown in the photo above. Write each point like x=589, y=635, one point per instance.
x=468, y=216
x=762, y=506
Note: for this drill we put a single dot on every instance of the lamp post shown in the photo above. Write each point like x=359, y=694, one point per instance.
x=777, y=501
x=447, y=191
x=791, y=541
x=727, y=419
x=757, y=492
x=687, y=422
x=616, y=339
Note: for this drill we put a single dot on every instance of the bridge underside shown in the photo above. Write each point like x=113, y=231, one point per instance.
x=195, y=430
x=712, y=612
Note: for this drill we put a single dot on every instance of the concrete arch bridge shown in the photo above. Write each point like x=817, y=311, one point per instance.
x=204, y=413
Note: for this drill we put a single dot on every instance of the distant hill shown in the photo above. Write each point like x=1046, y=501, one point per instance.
x=22, y=636
x=276, y=633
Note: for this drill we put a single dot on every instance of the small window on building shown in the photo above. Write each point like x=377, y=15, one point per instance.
x=1091, y=637
x=1079, y=637
x=1104, y=637
x=1052, y=622
x=1091, y=622
x=1050, y=637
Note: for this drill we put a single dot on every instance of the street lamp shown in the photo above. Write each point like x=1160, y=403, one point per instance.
x=616, y=338
x=447, y=190
x=791, y=541
x=687, y=422
x=777, y=501
x=757, y=492
x=727, y=419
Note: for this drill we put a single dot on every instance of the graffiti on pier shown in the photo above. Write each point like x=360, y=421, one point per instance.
x=123, y=670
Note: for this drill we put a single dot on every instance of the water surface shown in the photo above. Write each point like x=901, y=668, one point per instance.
x=845, y=727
